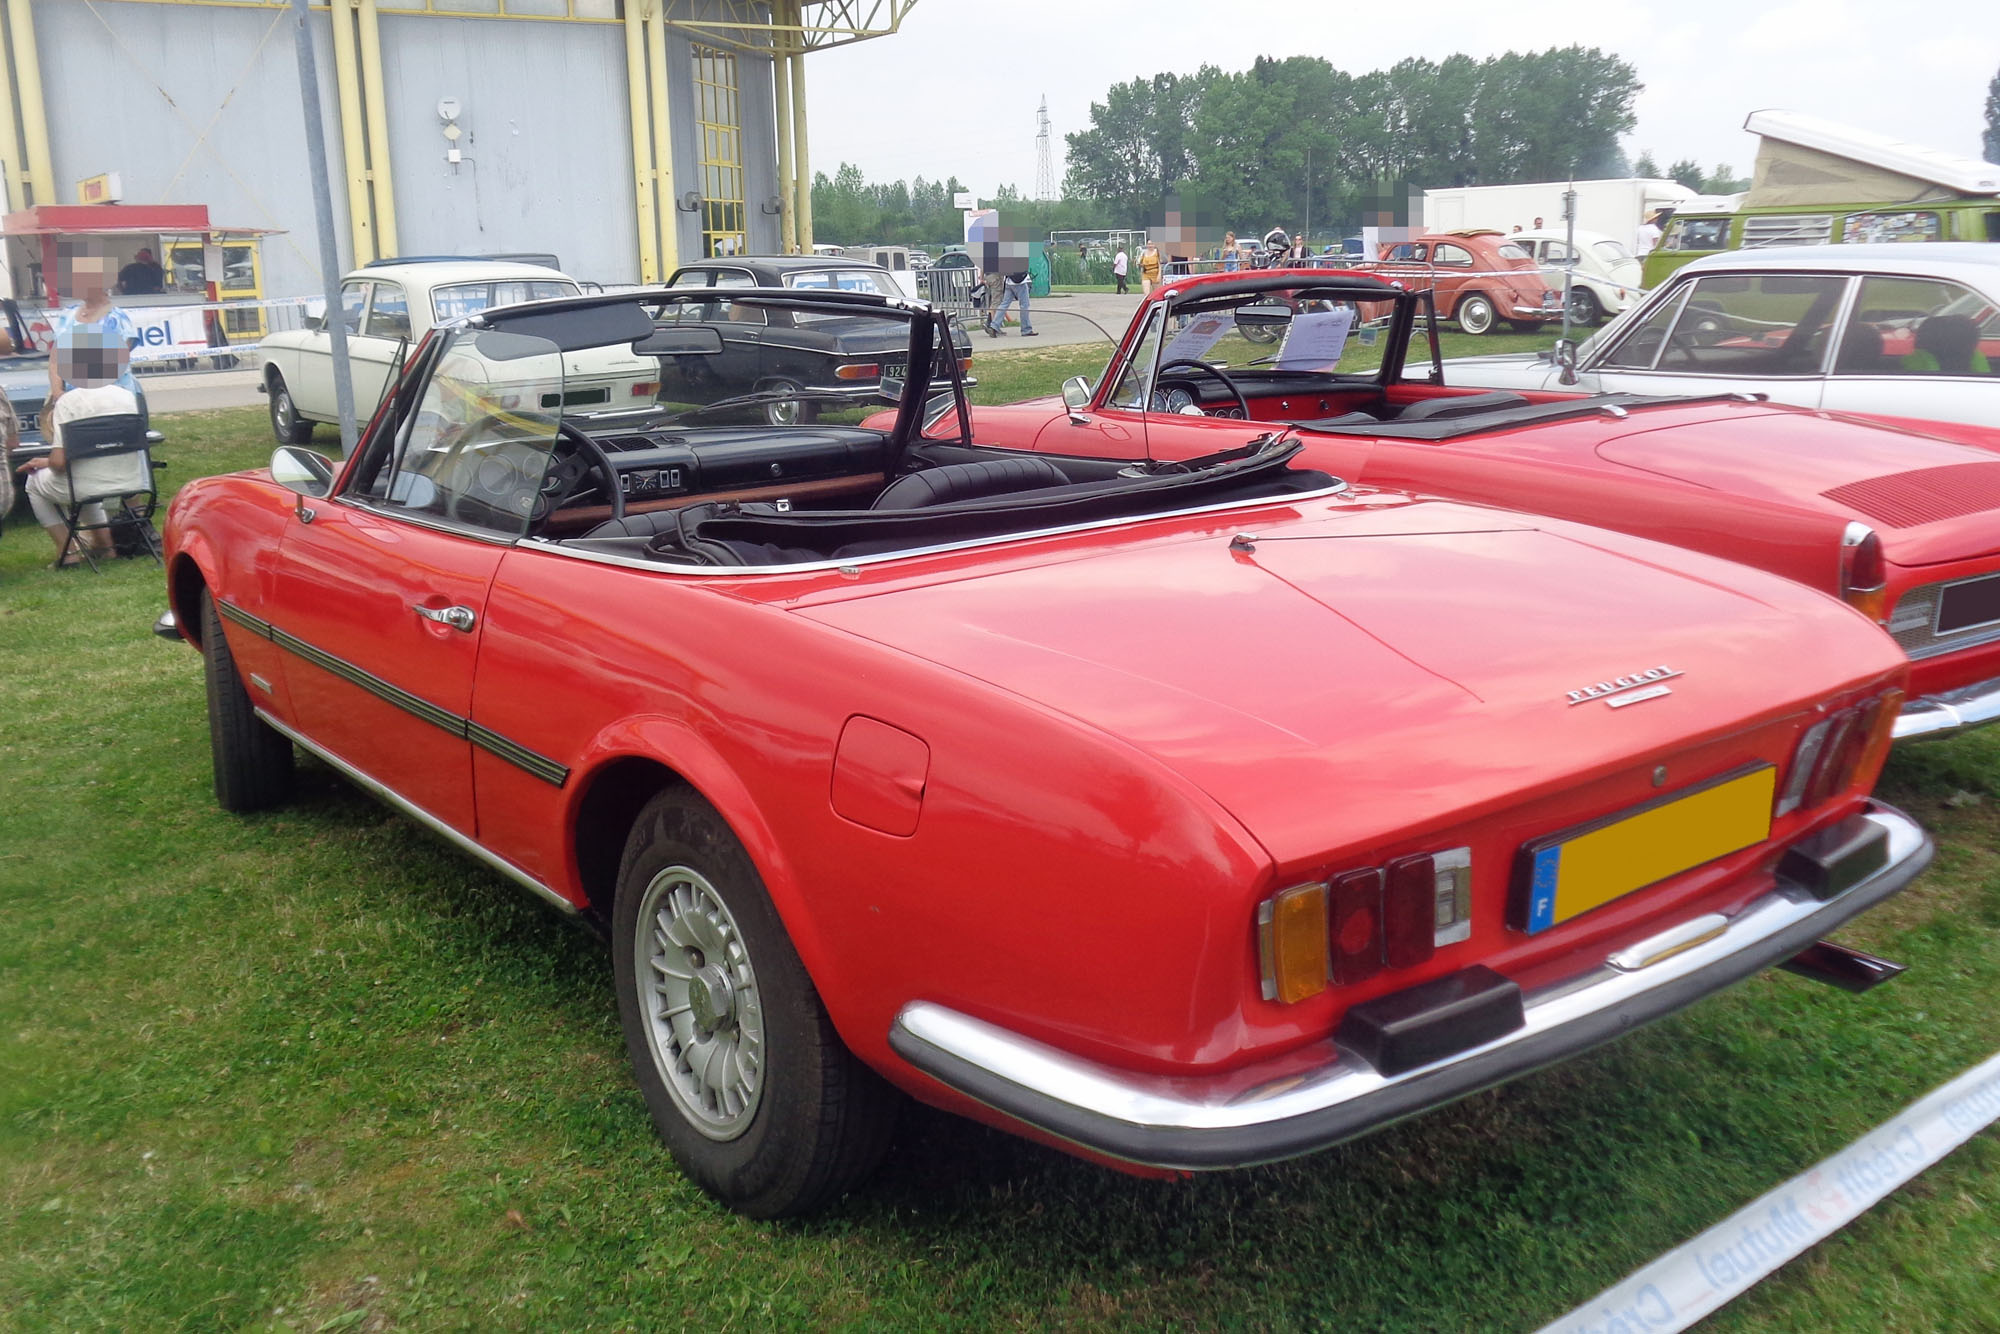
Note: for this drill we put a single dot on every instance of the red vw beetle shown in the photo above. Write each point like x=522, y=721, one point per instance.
x=1180, y=815
x=1902, y=523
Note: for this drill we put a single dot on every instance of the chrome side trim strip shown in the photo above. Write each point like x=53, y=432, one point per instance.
x=1308, y=1099
x=425, y=818
x=513, y=752
x=856, y=562
x=541, y=766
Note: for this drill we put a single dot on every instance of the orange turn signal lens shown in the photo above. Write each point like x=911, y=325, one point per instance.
x=866, y=370
x=1882, y=731
x=1292, y=938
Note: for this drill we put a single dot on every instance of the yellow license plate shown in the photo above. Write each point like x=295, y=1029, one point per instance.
x=1569, y=873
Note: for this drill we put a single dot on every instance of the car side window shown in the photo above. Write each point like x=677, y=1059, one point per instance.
x=1640, y=347
x=1767, y=324
x=353, y=300
x=474, y=453
x=1919, y=326
x=389, y=313
x=1455, y=256
x=1409, y=250
x=1135, y=378
x=691, y=278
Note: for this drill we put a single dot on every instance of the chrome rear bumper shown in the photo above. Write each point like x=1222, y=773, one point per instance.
x=1309, y=1100
x=1949, y=713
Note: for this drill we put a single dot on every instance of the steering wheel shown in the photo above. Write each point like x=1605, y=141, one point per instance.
x=1206, y=369
x=568, y=470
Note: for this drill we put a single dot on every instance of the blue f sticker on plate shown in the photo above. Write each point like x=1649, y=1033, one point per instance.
x=1542, y=894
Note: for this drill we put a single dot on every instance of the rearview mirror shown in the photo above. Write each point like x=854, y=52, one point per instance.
x=680, y=340
x=1261, y=322
x=1565, y=360
x=303, y=471
x=1076, y=397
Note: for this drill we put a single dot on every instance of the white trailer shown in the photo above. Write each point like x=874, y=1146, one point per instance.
x=1614, y=207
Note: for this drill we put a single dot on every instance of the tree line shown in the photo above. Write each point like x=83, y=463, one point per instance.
x=1298, y=142
x=1292, y=139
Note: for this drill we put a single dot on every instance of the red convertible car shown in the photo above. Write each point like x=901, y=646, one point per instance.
x=1181, y=815
x=1902, y=523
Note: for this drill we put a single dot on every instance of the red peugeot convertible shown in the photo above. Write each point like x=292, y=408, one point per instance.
x=1181, y=814
x=1902, y=523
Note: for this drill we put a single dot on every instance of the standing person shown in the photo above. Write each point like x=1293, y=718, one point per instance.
x=1299, y=247
x=94, y=321
x=1538, y=224
x=994, y=282
x=1647, y=238
x=143, y=276
x=1229, y=252
x=1019, y=285
x=1149, y=269
x=1118, y=267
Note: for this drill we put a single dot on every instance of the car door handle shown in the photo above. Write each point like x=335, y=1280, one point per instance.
x=458, y=618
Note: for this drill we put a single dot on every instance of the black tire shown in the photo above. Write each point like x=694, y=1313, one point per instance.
x=809, y=1121
x=795, y=412
x=1583, y=306
x=1475, y=314
x=286, y=424
x=253, y=761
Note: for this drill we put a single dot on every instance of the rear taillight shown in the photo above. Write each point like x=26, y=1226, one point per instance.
x=1351, y=928
x=1864, y=573
x=1834, y=751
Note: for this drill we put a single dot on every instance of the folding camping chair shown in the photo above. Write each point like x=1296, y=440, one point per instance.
x=108, y=461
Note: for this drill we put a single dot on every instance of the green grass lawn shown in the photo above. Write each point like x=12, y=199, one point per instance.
x=313, y=1071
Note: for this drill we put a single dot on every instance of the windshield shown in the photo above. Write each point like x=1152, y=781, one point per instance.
x=1508, y=250
x=1611, y=252
x=718, y=360
x=460, y=299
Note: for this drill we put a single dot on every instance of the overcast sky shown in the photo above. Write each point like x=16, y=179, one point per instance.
x=955, y=92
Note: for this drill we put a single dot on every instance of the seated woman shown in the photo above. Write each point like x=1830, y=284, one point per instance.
x=92, y=366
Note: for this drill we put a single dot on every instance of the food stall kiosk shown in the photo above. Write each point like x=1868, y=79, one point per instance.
x=203, y=263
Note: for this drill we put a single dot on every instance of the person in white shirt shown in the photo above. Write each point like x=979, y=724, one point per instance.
x=91, y=367
x=1648, y=236
x=1119, y=266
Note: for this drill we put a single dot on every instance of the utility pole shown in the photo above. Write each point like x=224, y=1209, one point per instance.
x=329, y=249
x=1045, y=171
x=1569, y=240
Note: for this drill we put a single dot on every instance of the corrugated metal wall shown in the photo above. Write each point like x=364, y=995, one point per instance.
x=547, y=143
x=131, y=88
x=199, y=105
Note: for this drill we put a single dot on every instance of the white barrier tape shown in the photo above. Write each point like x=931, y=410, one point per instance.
x=185, y=352
x=1700, y=1276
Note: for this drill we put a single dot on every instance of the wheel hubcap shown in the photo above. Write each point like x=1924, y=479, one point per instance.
x=704, y=1016
x=284, y=402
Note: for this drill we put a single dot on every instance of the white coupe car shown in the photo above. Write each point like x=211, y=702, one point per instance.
x=1606, y=278
x=389, y=306
x=1891, y=330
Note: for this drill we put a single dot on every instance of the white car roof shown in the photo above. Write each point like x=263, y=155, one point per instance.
x=1967, y=261
x=443, y=273
x=1556, y=234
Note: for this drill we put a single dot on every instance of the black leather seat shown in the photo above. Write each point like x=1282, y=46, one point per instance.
x=969, y=481
x=1459, y=405
x=648, y=524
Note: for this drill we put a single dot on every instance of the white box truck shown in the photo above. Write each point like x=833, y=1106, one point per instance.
x=1614, y=207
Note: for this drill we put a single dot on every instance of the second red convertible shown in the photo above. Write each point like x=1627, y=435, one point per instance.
x=1901, y=523
x=1182, y=815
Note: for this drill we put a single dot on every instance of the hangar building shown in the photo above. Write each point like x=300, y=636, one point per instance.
x=623, y=136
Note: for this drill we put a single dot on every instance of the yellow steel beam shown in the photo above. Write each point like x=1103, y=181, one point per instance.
x=10, y=135
x=379, y=174
x=353, y=139
x=668, y=216
x=642, y=144
x=28, y=85
x=802, y=157
x=781, y=78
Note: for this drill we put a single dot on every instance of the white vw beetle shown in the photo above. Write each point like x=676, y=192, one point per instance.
x=1606, y=278
x=1892, y=330
x=389, y=306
